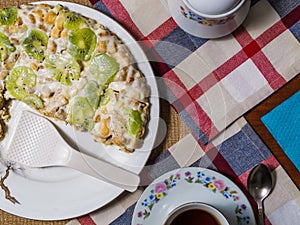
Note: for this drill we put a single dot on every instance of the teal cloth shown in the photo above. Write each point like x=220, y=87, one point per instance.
x=283, y=122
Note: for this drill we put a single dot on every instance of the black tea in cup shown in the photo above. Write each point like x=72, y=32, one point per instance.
x=195, y=213
x=195, y=217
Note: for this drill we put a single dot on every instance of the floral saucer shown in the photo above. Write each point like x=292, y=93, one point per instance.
x=192, y=184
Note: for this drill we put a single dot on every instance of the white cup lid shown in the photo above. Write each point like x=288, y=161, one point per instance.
x=212, y=7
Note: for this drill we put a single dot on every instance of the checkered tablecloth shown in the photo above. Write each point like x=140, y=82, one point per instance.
x=211, y=84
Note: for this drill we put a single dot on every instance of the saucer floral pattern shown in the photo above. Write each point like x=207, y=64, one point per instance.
x=159, y=191
x=217, y=186
x=212, y=183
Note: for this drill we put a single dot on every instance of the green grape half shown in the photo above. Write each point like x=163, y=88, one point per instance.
x=134, y=123
x=93, y=92
x=104, y=68
x=81, y=113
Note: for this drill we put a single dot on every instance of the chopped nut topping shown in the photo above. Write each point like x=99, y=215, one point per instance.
x=55, y=32
x=4, y=114
x=34, y=66
x=64, y=33
x=19, y=21
x=59, y=22
x=39, y=13
x=50, y=18
x=32, y=18
x=42, y=27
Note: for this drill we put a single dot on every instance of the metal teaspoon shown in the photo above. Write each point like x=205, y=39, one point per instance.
x=259, y=186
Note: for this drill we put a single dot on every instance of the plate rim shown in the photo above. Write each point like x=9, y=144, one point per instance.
x=7, y=205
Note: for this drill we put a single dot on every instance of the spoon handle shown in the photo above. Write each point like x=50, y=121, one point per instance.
x=261, y=220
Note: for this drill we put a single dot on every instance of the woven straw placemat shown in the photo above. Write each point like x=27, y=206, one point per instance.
x=176, y=130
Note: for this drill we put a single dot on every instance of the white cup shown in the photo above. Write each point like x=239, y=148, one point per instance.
x=201, y=211
x=205, y=21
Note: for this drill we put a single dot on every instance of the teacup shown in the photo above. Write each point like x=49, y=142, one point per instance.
x=195, y=213
x=206, y=22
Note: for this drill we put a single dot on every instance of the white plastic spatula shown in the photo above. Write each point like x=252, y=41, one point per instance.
x=37, y=143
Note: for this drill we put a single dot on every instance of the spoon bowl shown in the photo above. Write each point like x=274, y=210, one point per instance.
x=260, y=184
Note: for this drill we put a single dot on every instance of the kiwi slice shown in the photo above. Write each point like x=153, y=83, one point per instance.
x=93, y=93
x=8, y=16
x=20, y=80
x=36, y=43
x=73, y=21
x=82, y=43
x=33, y=100
x=62, y=77
x=81, y=113
x=104, y=68
x=3, y=52
x=58, y=8
x=6, y=47
x=5, y=40
x=65, y=69
x=24, y=77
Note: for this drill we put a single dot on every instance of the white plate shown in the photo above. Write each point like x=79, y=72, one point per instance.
x=192, y=184
x=61, y=193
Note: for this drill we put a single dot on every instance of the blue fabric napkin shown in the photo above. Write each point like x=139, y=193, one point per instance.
x=283, y=122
